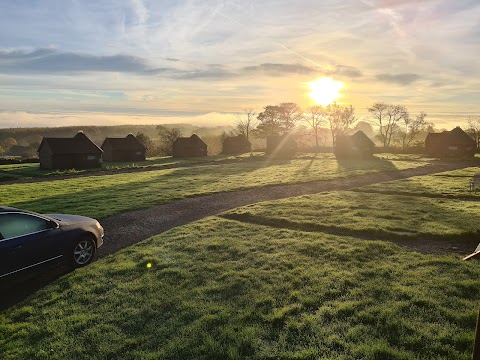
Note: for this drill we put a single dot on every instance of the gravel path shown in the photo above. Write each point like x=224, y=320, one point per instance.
x=131, y=227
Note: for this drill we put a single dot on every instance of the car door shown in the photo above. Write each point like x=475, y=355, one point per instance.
x=27, y=241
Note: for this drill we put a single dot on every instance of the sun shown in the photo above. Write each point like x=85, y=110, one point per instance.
x=325, y=90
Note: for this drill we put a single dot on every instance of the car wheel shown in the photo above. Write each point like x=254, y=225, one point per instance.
x=83, y=252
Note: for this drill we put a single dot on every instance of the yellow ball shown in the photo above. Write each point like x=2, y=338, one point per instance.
x=149, y=265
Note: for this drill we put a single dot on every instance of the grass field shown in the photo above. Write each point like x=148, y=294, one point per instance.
x=450, y=184
x=222, y=289
x=101, y=196
x=26, y=171
x=31, y=171
x=369, y=215
x=287, y=279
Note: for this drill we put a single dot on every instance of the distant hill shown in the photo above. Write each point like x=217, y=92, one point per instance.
x=26, y=136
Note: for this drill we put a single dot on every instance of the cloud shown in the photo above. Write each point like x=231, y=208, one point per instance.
x=401, y=79
x=52, y=61
x=282, y=69
x=348, y=71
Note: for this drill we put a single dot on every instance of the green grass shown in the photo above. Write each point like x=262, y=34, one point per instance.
x=221, y=289
x=30, y=171
x=370, y=215
x=27, y=171
x=449, y=184
x=101, y=196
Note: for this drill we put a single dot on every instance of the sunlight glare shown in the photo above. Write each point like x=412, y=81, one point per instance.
x=325, y=91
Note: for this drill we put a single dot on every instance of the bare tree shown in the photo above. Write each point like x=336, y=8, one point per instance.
x=411, y=128
x=387, y=118
x=245, y=122
x=167, y=138
x=340, y=119
x=314, y=118
x=474, y=129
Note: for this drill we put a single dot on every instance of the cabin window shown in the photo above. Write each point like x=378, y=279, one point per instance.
x=91, y=157
x=452, y=148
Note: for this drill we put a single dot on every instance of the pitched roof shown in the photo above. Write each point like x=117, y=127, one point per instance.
x=454, y=136
x=194, y=139
x=79, y=144
x=358, y=139
x=129, y=142
x=236, y=140
x=459, y=136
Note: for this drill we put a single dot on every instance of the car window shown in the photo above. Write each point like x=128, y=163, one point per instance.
x=12, y=225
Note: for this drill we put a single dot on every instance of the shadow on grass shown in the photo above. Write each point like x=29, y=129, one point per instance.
x=359, y=164
x=470, y=238
x=419, y=194
x=16, y=289
x=110, y=197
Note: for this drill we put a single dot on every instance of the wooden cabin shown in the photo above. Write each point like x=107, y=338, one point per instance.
x=123, y=149
x=236, y=145
x=282, y=146
x=191, y=146
x=356, y=146
x=450, y=144
x=78, y=153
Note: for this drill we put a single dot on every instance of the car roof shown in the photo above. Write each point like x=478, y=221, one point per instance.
x=7, y=209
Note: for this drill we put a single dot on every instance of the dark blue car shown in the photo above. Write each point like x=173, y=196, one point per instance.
x=29, y=240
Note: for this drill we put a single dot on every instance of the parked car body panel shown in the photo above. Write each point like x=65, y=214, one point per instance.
x=29, y=240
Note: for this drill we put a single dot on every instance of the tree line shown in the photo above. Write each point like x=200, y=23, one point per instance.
x=396, y=126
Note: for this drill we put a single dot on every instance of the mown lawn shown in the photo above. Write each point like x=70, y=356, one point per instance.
x=101, y=196
x=453, y=184
x=222, y=289
x=375, y=215
x=24, y=171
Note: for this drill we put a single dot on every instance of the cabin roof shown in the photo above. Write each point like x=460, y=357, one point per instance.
x=454, y=136
x=129, y=142
x=185, y=141
x=79, y=144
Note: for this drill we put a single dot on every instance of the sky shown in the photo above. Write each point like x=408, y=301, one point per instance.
x=107, y=62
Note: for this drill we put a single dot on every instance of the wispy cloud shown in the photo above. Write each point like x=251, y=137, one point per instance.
x=401, y=79
x=49, y=61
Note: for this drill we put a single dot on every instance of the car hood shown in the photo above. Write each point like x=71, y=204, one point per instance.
x=70, y=219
